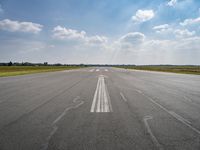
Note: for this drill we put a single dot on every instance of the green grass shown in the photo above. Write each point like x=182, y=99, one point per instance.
x=22, y=70
x=168, y=68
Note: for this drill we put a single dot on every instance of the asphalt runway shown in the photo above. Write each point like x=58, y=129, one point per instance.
x=100, y=109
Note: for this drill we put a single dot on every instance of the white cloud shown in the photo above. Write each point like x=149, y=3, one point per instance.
x=16, y=26
x=191, y=44
x=184, y=33
x=97, y=39
x=143, y=15
x=190, y=21
x=152, y=51
x=179, y=33
x=132, y=38
x=162, y=28
x=129, y=41
x=62, y=33
x=172, y=2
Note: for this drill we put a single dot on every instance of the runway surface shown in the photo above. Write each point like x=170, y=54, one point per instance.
x=100, y=109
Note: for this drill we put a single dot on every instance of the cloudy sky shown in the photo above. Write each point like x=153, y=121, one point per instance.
x=100, y=31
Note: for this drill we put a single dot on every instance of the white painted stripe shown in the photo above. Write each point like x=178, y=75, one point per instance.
x=102, y=98
x=108, y=101
x=106, y=70
x=101, y=101
x=95, y=96
x=91, y=70
x=99, y=97
x=105, y=100
x=97, y=70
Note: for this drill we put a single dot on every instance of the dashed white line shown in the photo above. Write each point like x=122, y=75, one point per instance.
x=101, y=101
x=97, y=70
x=106, y=70
x=123, y=97
x=146, y=118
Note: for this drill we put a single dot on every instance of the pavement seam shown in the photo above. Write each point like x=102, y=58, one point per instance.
x=154, y=139
x=41, y=105
x=54, y=124
x=173, y=114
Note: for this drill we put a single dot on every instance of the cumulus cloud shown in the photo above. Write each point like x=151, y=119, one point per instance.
x=179, y=33
x=184, y=33
x=156, y=51
x=132, y=38
x=129, y=42
x=62, y=33
x=143, y=15
x=16, y=26
x=190, y=21
x=172, y=2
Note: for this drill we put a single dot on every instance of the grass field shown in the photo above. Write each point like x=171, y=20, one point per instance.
x=168, y=68
x=22, y=70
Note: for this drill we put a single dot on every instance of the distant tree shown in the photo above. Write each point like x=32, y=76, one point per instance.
x=58, y=64
x=10, y=63
x=45, y=63
x=82, y=65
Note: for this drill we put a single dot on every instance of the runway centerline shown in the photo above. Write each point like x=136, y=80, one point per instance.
x=101, y=101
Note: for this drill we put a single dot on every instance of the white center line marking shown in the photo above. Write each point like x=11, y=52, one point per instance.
x=97, y=70
x=101, y=101
x=99, y=97
x=91, y=70
x=106, y=70
x=123, y=97
x=146, y=118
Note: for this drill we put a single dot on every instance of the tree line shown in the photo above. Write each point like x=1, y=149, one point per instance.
x=59, y=64
x=36, y=64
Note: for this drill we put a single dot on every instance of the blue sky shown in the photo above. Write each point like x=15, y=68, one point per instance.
x=100, y=31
